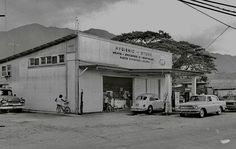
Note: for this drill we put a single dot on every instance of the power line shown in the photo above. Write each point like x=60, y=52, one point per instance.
x=208, y=8
x=220, y=3
x=228, y=26
x=217, y=37
x=208, y=15
x=214, y=6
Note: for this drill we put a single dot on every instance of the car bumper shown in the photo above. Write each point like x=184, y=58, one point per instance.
x=14, y=106
x=231, y=107
x=138, y=109
x=189, y=111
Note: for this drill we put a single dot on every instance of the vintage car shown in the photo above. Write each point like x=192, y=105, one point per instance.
x=231, y=102
x=8, y=101
x=147, y=102
x=202, y=105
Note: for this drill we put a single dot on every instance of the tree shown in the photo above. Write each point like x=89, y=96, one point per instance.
x=186, y=56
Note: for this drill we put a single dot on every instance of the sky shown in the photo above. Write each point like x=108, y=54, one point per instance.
x=122, y=16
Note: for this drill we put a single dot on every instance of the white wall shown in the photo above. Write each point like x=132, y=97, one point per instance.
x=42, y=84
x=91, y=83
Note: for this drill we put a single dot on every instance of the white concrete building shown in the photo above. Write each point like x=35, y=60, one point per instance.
x=89, y=64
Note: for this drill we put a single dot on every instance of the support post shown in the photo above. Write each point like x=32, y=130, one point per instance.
x=194, y=86
x=168, y=85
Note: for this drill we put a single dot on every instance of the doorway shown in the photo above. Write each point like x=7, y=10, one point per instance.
x=117, y=93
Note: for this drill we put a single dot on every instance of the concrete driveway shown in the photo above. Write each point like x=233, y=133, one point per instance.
x=116, y=130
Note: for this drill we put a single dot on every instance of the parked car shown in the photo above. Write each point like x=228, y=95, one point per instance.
x=147, y=102
x=202, y=105
x=231, y=102
x=10, y=102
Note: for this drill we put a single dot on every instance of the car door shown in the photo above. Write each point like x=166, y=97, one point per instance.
x=153, y=102
x=216, y=103
x=210, y=106
x=159, y=103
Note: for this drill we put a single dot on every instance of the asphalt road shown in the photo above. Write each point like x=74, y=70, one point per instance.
x=116, y=130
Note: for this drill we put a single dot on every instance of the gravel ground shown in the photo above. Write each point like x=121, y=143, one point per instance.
x=116, y=130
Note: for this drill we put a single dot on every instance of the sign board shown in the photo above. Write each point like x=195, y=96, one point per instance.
x=104, y=51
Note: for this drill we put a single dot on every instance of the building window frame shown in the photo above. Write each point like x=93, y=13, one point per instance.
x=31, y=61
x=43, y=60
x=49, y=60
x=61, y=58
x=6, y=70
x=36, y=61
x=54, y=59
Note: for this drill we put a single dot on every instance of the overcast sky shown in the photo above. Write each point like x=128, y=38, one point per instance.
x=121, y=16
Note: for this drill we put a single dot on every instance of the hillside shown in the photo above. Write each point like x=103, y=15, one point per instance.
x=30, y=36
x=225, y=63
x=100, y=33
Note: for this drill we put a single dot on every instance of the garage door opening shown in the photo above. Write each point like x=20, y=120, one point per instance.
x=117, y=93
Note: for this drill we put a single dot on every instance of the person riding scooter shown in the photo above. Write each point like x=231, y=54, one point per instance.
x=60, y=101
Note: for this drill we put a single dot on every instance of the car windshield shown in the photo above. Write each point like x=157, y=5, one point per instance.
x=141, y=98
x=198, y=98
x=5, y=93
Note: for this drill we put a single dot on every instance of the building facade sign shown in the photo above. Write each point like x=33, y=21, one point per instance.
x=131, y=54
x=122, y=55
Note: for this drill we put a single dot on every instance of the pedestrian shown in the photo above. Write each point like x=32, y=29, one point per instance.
x=105, y=102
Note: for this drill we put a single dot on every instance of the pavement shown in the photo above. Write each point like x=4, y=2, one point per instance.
x=118, y=130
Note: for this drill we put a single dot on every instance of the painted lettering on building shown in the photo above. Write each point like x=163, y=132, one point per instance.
x=130, y=54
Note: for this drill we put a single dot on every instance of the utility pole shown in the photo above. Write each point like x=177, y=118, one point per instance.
x=77, y=86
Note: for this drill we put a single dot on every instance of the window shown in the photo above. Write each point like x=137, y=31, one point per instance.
x=31, y=61
x=152, y=99
x=61, y=58
x=9, y=70
x=36, y=61
x=43, y=60
x=54, y=59
x=5, y=93
x=214, y=98
x=49, y=59
x=6, y=70
x=209, y=98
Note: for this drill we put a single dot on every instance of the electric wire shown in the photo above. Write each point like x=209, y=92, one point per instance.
x=209, y=15
x=214, y=6
x=228, y=26
x=216, y=38
x=208, y=8
x=209, y=1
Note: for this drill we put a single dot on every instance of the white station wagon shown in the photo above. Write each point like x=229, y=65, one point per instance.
x=202, y=105
x=147, y=102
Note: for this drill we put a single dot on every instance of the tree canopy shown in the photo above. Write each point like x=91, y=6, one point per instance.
x=186, y=56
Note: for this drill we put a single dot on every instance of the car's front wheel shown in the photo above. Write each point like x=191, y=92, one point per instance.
x=150, y=110
x=219, y=111
x=202, y=113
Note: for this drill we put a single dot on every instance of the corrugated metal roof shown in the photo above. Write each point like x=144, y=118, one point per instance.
x=38, y=48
